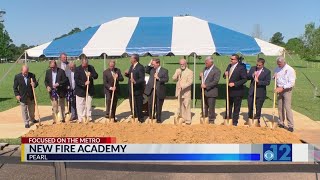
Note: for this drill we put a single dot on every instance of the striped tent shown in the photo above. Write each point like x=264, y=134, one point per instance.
x=156, y=36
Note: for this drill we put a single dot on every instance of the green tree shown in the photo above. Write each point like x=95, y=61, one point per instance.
x=295, y=45
x=5, y=41
x=73, y=31
x=311, y=40
x=277, y=39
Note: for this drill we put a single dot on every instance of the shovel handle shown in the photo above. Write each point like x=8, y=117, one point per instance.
x=112, y=97
x=132, y=98
x=35, y=101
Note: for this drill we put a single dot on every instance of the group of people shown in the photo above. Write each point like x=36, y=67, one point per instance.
x=67, y=83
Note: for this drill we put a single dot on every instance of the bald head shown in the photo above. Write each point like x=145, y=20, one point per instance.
x=24, y=70
x=72, y=66
x=183, y=64
x=281, y=61
x=209, y=61
x=53, y=65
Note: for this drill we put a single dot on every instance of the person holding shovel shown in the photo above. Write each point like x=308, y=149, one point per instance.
x=56, y=83
x=184, y=78
x=262, y=76
x=84, y=90
x=159, y=76
x=211, y=76
x=109, y=76
x=237, y=77
x=71, y=91
x=22, y=88
x=136, y=75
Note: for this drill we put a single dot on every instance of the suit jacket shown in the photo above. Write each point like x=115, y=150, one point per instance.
x=138, y=76
x=264, y=80
x=108, y=80
x=80, y=78
x=239, y=78
x=184, y=83
x=160, y=84
x=61, y=79
x=21, y=89
x=211, y=82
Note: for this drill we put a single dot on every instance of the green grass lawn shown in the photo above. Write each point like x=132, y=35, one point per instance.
x=305, y=99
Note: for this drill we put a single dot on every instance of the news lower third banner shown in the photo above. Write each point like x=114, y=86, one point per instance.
x=89, y=149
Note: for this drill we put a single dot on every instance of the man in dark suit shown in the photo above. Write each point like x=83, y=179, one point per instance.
x=80, y=76
x=56, y=83
x=262, y=76
x=109, y=75
x=211, y=76
x=237, y=75
x=22, y=88
x=138, y=85
x=159, y=74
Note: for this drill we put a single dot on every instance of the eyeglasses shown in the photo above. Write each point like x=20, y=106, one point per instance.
x=232, y=59
x=259, y=65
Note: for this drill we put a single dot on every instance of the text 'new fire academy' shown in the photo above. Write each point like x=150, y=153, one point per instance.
x=72, y=148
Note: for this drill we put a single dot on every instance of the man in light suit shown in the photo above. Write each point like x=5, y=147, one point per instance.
x=211, y=76
x=184, y=78
x=161, y=76
x=262, y=76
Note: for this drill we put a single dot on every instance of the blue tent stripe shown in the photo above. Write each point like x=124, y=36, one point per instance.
x=152, y=35
x=228, y=41
x=72, y=45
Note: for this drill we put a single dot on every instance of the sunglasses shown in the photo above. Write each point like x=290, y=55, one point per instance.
x=232, y=59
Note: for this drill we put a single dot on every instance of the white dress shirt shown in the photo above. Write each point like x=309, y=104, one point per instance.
x=286, y=76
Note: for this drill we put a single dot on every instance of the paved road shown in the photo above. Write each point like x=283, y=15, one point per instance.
x=12, y=168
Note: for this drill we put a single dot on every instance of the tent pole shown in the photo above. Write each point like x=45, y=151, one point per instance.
x=104, y=62
x=25, y=57
x=194, y=81
x=104, y=68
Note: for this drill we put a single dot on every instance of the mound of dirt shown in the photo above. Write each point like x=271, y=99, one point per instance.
x=167, y=133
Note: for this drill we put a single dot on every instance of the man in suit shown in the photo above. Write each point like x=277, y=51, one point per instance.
x=138, y=85
x=184, y=78
x=262, y=76
x=64, y=62
x=71, y=91
x=56, y=83
x=22, y=88
x=109, y=75
x=237, y=75
x=211, y=76
x=80, y=76
x=159, y=74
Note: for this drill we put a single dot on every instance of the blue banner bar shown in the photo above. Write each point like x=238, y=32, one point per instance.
x=143, y=157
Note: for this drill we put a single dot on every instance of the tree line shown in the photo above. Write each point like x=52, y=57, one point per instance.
x=307, y=46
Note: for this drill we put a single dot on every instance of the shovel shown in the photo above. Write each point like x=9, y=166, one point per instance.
x=274, y=124
x=68, y=115
x=178, y=114
x=35, y=101
x=254, y=122
x=227, y=121
x=108, y=120
x=133, y=119
x=86, y=118
x=203, y=119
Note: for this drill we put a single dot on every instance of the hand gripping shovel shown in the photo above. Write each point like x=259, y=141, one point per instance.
x=36, y=103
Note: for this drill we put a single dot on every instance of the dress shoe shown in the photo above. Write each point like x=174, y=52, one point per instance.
x=290, y=129
x=281, y=126
x=34, y=121
x=27, y=126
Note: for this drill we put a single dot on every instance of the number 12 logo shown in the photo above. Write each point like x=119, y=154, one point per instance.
x=277, y=152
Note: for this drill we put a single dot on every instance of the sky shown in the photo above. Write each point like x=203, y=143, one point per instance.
x=34, y=22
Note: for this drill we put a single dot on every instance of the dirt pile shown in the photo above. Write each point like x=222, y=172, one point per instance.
x=167, y=133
